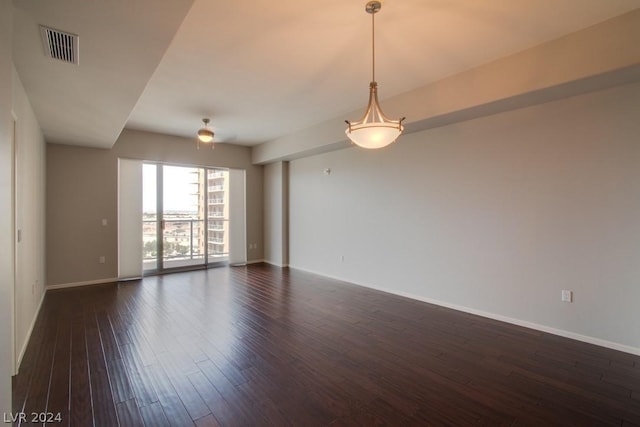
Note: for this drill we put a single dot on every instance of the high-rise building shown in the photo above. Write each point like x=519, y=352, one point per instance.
x=213, y=204
x=218, y=214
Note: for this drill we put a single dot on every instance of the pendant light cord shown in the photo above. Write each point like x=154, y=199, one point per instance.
x=373, y=47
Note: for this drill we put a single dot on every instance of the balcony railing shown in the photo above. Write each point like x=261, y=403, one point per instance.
x=181, y=238
x=183, y=241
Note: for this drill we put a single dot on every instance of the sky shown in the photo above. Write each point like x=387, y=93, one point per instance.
x=178, y=188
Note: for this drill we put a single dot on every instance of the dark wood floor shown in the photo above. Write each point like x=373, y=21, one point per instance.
x=257, y=345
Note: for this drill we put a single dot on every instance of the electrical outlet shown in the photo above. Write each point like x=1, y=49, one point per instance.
x=567, y=296
x=102, y=259
x=104, y=222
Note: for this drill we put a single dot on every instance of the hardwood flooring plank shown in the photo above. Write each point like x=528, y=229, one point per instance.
x=236, y=401
x=59, y=386
x=104, y=409
x=190, y=398
x=129, y=414
x=141, y=383
x=172, y=406
x=224, y=413
x=80, y=404
x=153, y=415
x=208, y=421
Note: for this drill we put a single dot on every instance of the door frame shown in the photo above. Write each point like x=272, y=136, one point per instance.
x=16, y=237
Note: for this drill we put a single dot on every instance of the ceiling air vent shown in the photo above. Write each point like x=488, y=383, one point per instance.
x=60, y=45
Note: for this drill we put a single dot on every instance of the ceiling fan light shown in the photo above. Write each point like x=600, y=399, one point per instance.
x=205, y=135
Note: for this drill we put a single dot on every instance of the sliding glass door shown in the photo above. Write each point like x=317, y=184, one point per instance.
x=185, y=217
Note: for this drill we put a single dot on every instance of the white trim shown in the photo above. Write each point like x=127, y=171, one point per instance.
x=128, y=279
x=86, y=283
x=255, y=261
x=266, y=261
x=29, y=332
x=506, y=319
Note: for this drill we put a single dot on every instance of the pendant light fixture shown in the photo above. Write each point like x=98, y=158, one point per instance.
x=205, y=134
x=374, y=129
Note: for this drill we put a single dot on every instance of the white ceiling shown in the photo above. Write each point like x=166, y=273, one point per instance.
x=261, y=69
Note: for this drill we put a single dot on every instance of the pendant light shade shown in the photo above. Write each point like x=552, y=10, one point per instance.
x=374, y=129
x=205, y=134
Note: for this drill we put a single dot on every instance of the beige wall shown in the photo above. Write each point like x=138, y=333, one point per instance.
x=6, y=228
x=494, y=215
x=82, y=190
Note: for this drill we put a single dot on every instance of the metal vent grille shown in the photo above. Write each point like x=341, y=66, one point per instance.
x=60, y=45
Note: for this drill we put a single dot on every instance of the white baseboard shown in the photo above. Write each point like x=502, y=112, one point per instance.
x=266, y=261
x=86, y=283
x=129, y=279
x=506, y=319
x=255, y=261
x=29, y=332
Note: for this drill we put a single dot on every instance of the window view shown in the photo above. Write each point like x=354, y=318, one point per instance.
x=185, y=216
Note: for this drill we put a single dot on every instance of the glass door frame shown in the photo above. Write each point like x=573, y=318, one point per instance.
x=160, y=223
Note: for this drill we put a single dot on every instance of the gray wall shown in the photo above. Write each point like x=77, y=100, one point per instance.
x=276, y=239
x=6, y=228
x=82, y=190
x=495, y=216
